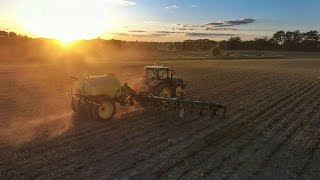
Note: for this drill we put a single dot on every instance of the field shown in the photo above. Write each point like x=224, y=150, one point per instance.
x=272, y=128
x=237, y=55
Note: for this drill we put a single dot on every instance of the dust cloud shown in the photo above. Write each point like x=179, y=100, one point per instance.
x=23, y=131
x=33, y=96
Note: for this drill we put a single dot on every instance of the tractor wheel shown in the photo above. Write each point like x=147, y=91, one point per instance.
x=163, y=91
x=89, y=110
x=179, y=91
x=104, y=111
x=79, y=109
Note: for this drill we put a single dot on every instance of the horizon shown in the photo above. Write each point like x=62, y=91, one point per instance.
x=157, y=21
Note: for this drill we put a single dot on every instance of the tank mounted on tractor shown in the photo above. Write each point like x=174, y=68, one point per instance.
x=97, y=95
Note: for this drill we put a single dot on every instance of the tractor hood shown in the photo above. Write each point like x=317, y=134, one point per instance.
x=175, y=77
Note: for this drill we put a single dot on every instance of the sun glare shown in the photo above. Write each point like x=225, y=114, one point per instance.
x=66, y=20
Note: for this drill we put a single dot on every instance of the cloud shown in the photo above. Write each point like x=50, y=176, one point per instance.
x=166, y=32
x=181, y=25
x=169, y=32
x=172, y=7
x=120, y=34
x=194, y=6
x=219, y=29
x=184, y=27
x=150, y=35
x=193, y=34
x=213, y=26
x=128, y=3
x=121, y=2
x=156, y=34
x=231, y=23
x=151, y=22
x=137, y=31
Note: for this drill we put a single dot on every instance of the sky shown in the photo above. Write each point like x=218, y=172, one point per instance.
x=157, y=20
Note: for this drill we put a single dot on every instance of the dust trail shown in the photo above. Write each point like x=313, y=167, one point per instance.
x=24, y=130
x=124, y=111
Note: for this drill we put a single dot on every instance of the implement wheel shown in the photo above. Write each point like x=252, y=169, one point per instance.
x=73, y=104
x=104, y=111
x=76, y=105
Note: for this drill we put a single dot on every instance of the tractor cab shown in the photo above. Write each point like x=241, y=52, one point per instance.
x=159, y=81
x=158, y=73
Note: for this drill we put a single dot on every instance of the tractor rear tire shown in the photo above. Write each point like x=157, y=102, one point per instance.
x=104, y=111
x=163, y=90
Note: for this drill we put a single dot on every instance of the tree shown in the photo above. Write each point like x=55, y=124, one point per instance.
x=311, y=40
x=222, y=45
x=279, y=37
x=215, y=51
x=261, y=43
x=234, y=43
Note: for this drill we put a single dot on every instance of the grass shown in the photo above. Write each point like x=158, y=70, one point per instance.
x=204, y=55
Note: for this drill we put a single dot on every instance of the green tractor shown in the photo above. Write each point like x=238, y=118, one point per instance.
x=159, y=81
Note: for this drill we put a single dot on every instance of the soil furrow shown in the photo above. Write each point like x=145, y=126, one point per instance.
x=224, y=157
x=214, y=132
x=271, y=130
x=86, y=135
x=293, y=158
x=239, y=110
x=257, y=141
x=271, y=147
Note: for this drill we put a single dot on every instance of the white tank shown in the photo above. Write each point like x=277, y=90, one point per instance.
x=98, y=85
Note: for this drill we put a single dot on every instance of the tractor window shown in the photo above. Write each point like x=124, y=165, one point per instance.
x=151, y=74
x=163, y=74
x=158, y=74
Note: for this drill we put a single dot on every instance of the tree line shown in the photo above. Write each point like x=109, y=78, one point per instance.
x=280, y=41
x=288, y=41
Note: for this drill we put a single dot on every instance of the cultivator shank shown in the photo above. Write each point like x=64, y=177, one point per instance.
x=184, y=106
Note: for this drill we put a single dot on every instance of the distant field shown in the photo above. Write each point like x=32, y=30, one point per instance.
x=272, y=127
x=239, y=54
x=287, y=54
x=154, y=56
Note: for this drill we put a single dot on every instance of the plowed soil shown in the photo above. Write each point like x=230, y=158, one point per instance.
x=272, y=128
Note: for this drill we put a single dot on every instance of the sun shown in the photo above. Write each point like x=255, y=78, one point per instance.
x=66, y=20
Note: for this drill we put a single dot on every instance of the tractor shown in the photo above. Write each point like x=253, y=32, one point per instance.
x=159, y=81
x=96, y=96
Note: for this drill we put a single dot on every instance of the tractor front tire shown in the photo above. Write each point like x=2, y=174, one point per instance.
x=179, y=92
